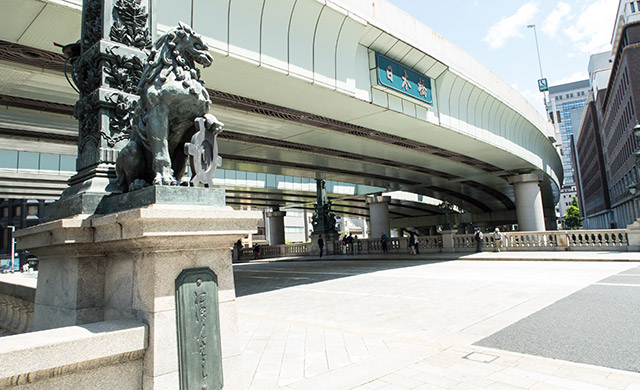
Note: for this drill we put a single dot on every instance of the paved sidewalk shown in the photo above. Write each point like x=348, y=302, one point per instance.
x=408, y=324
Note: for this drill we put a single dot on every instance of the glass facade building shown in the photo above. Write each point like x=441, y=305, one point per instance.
x=565, y=108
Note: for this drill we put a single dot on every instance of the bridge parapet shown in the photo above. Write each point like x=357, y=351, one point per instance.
x=606, y=240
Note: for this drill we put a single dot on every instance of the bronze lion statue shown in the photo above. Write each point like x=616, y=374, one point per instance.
x=172, y=96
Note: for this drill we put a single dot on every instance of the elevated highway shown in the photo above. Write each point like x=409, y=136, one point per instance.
x=304, y=89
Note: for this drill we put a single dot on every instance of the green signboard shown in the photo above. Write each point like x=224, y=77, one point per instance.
x=393, y=75
x=543, y=85
x=198, y=321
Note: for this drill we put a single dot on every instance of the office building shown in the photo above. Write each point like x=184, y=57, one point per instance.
x=564, y=108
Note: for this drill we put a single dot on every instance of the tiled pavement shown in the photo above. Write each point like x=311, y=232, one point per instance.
x=411, y=322
x=370, y=325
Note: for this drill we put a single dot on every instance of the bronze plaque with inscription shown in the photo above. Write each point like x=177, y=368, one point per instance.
x=198, y=319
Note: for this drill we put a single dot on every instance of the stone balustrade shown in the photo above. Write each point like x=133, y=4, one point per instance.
x=16, y=307
x=102, y=355
x=562, y=240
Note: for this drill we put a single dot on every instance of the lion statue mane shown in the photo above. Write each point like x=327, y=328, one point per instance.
x=172, y=96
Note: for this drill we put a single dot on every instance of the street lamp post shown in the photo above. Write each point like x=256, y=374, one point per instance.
x=542, y=82
x=533, y=26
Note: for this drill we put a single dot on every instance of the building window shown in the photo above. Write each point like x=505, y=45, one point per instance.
x=49, y=162
x=28, y=160
x=32, y=210
x=8, y=159
x=558, y=117
x=633, y=7
x=67, y=163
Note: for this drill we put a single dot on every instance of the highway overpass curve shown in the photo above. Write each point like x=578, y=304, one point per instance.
x=294, y=81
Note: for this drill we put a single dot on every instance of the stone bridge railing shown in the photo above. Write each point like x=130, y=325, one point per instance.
x=16, y=308
x=450, y=241
x=565, y=240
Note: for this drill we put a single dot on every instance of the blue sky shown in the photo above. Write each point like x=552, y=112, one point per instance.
x=495, y=33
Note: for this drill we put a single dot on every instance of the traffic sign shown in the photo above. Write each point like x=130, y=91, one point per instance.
x=543, y=85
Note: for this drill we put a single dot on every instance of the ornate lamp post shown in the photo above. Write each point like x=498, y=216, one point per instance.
x=446, y=207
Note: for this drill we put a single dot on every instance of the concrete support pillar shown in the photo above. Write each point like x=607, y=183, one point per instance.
x=379, y=215
x=528, y=202
x=275, y=220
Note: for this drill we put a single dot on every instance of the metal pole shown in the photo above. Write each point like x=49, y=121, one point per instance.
x=13, y=246
x=535, y=34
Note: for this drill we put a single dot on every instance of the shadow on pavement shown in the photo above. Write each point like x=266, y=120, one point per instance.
x=255, y=278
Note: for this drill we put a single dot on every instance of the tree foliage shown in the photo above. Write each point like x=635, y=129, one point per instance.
x=571, y=218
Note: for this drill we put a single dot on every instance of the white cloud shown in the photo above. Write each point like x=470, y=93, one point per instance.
x=551, y=24
x=576, y=76
x=511, y=26
x=592, y=31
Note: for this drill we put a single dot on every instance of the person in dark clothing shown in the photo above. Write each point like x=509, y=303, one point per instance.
x=320, y=244
x=383, y=239
x=412, y=243
x=478, y=237
x=349, y=241
x=237, y=250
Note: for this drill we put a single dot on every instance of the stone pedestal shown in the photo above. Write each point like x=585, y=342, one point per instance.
x=124, y=265
x=633, y=235
x=329, y=240
x=448, y=244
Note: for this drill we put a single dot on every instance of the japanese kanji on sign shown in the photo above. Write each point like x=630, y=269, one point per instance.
x=391, y=74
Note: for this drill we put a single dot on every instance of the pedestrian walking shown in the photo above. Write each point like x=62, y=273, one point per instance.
x=497, y=239
x=320, y=244
x=478, y=237
x=356, y=242
x=383, y=240
x=350, y=244
x=237, y=250
x=412, y=243
x=344, y=244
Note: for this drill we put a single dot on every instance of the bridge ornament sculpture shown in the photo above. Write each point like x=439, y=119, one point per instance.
x=203, y=151
x=323, y=220
x=172, y=100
